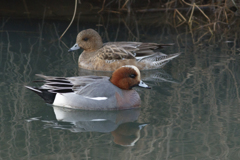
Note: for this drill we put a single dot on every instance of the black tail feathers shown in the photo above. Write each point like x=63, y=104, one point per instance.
x=43, y=93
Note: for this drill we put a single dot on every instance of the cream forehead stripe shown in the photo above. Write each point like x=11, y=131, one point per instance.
x=136, y=69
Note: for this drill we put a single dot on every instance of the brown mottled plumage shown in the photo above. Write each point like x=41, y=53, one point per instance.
x=112, y=55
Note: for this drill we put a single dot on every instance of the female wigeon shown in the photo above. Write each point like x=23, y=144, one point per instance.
x=112, y=55
x=94, y=92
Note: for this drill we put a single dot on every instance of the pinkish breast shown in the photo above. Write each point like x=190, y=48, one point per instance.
x=130, y=99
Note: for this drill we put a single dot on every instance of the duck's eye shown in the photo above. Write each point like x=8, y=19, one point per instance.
x=85, y=39
x=132, y=75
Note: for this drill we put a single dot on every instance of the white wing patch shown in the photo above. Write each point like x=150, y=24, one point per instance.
x=96, y=98
x=98, y=120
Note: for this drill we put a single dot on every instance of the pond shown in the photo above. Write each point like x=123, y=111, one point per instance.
x=191, y=112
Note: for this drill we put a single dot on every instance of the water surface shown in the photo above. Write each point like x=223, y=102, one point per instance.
x=191, y=112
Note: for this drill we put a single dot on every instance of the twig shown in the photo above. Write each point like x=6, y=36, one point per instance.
x=129, y=29
x=190, y=18
x=183, y=18
x=180, y=24
x=27, y=12
x=203, y=13
x=124, y=4
x=102, y=6
x=176, y=10
x=64, y=44
x=226, y=16
x=210, y=30
x=234, y=4
x=74, y=13
x=201, y=37
x=209, y=25
x=194, y=5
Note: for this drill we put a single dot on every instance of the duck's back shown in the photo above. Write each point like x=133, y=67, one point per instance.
x=101, y=88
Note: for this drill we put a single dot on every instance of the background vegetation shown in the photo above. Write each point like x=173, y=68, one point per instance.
x=196, y=118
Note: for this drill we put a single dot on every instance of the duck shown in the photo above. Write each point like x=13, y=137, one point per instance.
x=109, y=56
x=93, y=92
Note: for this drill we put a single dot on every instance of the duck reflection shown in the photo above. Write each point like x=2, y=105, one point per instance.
x=120, y=124
x=127, y=134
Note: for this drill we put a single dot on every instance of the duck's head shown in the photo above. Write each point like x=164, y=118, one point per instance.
x=127, y=77
x=88, y=39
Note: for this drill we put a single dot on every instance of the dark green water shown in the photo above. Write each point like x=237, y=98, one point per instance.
x=195, y=114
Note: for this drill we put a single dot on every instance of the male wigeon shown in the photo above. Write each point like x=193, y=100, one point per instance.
x=94, y=92
x=112, y=55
